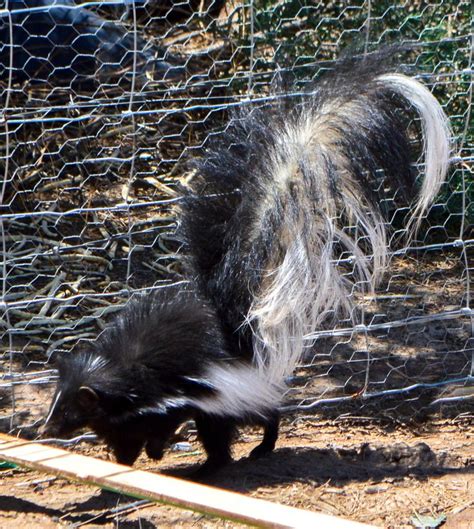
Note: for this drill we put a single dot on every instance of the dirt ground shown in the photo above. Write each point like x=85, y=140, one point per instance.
x=390, y=477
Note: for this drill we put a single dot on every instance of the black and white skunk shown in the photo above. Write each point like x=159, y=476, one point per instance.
x=263, y=224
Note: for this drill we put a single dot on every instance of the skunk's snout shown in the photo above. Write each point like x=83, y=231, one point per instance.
x=43, y=430
x=49, y=429
x=56, y=430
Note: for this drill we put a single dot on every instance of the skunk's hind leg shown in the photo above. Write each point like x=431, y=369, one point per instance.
x=216, y=435
x=270, y=435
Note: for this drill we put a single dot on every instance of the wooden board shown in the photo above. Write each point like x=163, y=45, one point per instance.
x=165, y=489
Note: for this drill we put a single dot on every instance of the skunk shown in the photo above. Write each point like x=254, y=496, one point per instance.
x=287, y=190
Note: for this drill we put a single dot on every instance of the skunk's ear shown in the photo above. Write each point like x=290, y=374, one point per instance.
x=87, y=397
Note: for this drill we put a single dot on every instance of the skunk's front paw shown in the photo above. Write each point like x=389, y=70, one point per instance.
x=209, y=468
x=154, y=449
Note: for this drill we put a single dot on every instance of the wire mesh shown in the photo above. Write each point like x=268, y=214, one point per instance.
x=103, y=104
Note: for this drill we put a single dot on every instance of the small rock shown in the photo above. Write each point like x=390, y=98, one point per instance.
x=182, y=447
x=375, y=489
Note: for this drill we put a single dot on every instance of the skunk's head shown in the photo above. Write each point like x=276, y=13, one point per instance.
x=150, y=361
x=90, y=391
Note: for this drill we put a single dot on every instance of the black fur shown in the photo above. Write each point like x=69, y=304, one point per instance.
x=141, y=360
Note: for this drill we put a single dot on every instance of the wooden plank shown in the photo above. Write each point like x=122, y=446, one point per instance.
x=165, y=489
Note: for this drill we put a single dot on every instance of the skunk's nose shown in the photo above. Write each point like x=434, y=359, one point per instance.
x=47, y=430
x=42, y=430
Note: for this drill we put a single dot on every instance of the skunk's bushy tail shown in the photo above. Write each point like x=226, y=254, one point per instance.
x=295, y=185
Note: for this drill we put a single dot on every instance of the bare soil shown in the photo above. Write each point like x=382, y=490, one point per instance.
x=388, y=477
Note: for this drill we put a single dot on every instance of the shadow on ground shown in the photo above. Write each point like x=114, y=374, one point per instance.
x=77, y=515
x=339, y=465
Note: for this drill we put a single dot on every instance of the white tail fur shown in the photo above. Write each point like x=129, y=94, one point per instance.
x=436, y=138
x=306, y=285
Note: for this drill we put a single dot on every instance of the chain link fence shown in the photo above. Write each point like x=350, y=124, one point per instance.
x=103, y=103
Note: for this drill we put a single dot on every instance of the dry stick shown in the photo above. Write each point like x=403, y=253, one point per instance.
x=165, y=489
